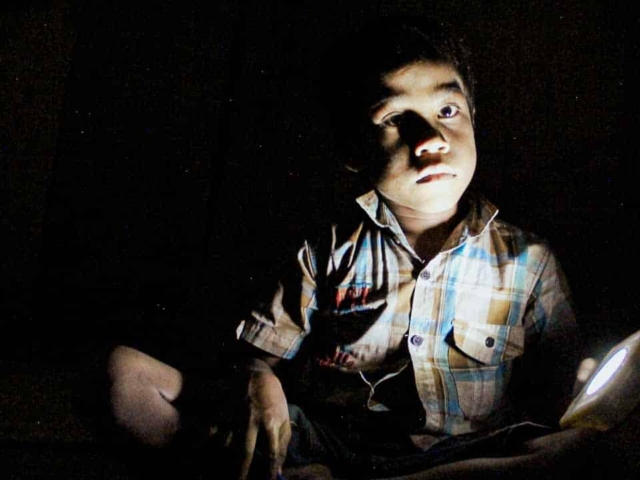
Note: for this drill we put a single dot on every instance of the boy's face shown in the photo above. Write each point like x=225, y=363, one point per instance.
x=424, y=137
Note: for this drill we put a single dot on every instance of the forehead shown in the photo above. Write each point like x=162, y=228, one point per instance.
x=422, y=77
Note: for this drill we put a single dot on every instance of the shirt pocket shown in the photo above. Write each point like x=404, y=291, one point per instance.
x=480, y=358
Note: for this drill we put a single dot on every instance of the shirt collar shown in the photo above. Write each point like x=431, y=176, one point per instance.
x=481, y=213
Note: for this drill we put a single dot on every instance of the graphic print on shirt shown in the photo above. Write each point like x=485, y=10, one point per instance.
x=338, y=359
x=351, y=297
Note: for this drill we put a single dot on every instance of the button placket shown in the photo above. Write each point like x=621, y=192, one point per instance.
x=420, y=344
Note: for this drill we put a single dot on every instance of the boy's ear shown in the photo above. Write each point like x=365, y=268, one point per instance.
x=355, y=164
x=361, y=149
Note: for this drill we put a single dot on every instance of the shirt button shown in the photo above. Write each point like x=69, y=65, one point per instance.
x=490, y=342
x=425, y=275
x=417, y=340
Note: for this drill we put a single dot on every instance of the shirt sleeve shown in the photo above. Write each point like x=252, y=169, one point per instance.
x=281, y=318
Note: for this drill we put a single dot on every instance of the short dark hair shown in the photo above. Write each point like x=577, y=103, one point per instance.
x=382, y=47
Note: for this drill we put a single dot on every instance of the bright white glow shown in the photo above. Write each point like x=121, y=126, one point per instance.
x=606, y=372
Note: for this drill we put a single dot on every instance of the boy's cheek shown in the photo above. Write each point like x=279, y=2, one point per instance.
x=389, y=144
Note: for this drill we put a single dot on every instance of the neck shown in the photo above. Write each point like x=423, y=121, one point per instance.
x=426, y=232
x=416, y=222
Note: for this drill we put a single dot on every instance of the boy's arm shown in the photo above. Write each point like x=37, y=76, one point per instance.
x=278, y=324
x=544, y=380
x=262, y=411
x=550, y=457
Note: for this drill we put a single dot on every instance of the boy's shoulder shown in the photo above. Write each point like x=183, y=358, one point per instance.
x=508, y=229
x=513, y=241
x=343, y=215
x=483, y=221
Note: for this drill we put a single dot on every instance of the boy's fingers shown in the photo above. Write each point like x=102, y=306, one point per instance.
x=247, y=448
x=220, y=436
x=285, y=437
x=278, y=440
x=585, y=370
x=273, y=446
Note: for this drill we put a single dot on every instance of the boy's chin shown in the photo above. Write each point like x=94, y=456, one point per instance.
x=435, y=205
x=429, y=201
x=438, y=208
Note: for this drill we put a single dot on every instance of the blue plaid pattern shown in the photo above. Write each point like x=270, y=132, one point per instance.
x=458, y=321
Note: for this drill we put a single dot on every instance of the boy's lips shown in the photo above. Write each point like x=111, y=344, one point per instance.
x=436, y=172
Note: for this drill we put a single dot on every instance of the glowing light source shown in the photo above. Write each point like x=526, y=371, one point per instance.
x=606, y=372
x=612, y=392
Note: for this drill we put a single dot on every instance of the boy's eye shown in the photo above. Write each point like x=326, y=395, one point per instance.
x=449, y=111
x=393, y=120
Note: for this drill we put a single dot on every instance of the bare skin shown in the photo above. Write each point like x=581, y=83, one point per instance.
x=265, y=411
x=143, y=390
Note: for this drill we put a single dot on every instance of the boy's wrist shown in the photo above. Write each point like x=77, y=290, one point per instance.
x=254, y=364
x=257, y=365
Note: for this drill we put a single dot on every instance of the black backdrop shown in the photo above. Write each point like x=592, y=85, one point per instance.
x=153, y=157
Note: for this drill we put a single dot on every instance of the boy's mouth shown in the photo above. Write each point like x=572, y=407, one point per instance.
x=436, y=172
x=435, y=177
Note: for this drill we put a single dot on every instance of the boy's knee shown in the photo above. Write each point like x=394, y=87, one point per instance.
x=123, y=361
x=137, y=396
x=131, y=369
x=128, y=380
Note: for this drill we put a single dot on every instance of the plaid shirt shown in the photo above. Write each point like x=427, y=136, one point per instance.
x=373, y=308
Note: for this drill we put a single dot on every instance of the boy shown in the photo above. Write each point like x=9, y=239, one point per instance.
x=422, y=328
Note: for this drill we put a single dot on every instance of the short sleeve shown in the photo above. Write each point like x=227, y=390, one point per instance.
x=280, y=319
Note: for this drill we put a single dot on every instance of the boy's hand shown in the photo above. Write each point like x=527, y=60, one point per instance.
x=264, y=412
x=585, y=370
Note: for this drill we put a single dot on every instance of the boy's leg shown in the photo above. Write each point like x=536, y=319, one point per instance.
x=141, y=392
x=153, y=404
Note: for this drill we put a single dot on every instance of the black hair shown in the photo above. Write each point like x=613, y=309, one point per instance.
x=381, y=47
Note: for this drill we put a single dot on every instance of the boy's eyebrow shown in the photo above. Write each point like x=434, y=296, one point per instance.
x=452, y=86
x=386, y=94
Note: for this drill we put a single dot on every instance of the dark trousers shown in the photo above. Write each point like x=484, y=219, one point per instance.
x=354, y=449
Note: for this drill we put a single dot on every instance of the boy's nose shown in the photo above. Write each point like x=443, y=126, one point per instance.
x=431, y=142
x=422, y=136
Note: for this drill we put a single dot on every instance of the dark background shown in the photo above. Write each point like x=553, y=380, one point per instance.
x=152, y=156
